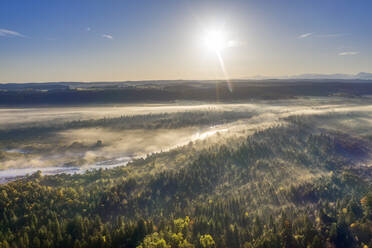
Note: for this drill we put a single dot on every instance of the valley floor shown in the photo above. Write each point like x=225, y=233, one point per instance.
x=293, y=173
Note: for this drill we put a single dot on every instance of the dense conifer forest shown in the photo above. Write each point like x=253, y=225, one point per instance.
x=294, y=184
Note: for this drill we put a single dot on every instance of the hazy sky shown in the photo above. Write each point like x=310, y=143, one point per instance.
x=106, y=40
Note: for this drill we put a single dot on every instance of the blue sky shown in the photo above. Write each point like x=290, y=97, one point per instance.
x=96, y=40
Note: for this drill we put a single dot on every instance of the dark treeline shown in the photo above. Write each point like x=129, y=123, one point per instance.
x=286, y=186
x=202, y=91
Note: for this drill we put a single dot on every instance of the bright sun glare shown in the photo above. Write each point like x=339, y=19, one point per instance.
x=215, y=40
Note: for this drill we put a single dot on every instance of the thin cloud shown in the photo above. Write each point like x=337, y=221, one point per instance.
x=88, y=29
x=10, y=33
x=348, y=53
x=302, y=36
x=107, y=36
x=333, y=35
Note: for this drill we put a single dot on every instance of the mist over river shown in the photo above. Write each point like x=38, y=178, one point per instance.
x=94, y=146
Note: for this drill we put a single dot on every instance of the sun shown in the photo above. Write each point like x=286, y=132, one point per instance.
x=215, y=40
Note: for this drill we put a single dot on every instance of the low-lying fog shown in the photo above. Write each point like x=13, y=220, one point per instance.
x=78, y=150
x=26, y=116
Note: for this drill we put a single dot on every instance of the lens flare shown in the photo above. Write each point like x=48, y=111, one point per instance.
x=222, y=64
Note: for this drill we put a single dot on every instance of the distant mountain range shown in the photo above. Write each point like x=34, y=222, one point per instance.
x=360, y=76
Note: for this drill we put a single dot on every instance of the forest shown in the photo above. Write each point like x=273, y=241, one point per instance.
x=297, y=183
x=75, y=93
